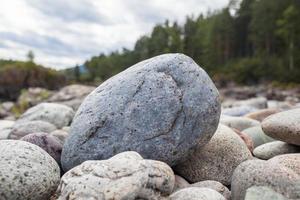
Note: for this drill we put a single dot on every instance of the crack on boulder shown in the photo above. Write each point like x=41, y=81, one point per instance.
x=179, y=112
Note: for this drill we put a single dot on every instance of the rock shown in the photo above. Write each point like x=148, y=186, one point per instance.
x=21, y=129
x=59, y=115
x=281, y=105
x=180, y=183
x=239, y=123
x=217, y=159
x=263, y=173
x=66, y=128
x=257, y=136
x=260, y=115
x=238, y=111
x=247, y=139
x=265, y=193
x=26, y=171
x=33, y=96
x=271, y=149
x=49, y=143
x=60, y=134
x=215, y=185
x=291, y=161
x=196, y=193
x=6, y=109
x=71, y=95
x=284, y=126
x=257, y=102
x=5, y=128
x=125, y=176
x=161, y=108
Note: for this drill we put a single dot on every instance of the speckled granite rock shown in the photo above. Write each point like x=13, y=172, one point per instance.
x=271, y=149
x=196, y=193
x=24, y=128
x=180, y=183
x=215, y=185
x=257, y=136
x=217, y=159
x=264, y=173
x=161, y=108
x=49, y=143
x=239, y=123
x=284, y=126
x=260, y=115
x=26, y=171
x=125, y=176
x=261, y=192
x=291, y=161
x=57, y=114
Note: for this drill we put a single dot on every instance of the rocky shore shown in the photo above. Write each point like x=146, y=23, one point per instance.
x=158, y=130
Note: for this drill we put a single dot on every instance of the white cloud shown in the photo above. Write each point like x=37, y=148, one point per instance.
x=65, y=33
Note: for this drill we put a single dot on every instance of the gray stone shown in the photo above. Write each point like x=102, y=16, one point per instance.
x=284, y=126
x=260, y=115
x=71, y=95
x=257, y=135
x=257, y=102
x=180, y=183
x=238, y=111
x=217, y=159
x=59, y=115
x=26, y=171
x=196, y=193
x=239, y=123
x=291, y=161
x=265, y=193
x=125, y=176
x=271, y=149
x=215, y=185
x=60, y=134
x=161, y=108
x=21, y=129
x=264, y=173
x=49, y=143
x=5, y=128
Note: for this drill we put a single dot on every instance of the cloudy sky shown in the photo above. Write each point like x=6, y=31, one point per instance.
x=62, y=33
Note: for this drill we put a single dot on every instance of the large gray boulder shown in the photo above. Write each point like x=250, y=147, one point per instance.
x=124, y=176
x=161, y=108
x=26, y=171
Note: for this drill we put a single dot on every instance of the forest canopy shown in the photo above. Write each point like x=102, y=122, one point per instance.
x=248, y=42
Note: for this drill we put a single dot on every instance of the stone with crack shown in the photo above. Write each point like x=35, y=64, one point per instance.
x=161, y=108
x=125, y=176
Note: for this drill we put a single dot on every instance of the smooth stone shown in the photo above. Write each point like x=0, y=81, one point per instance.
x=281, y=105
x=125, y=176
x=196, y=193
x=238, y=111
x=264, y=173
x=57, y=114
x=5, y=128
x=217, y=159
x=284, y=126
x=271, y=149
x=22, y=129
x=291, y=161
x=71, y=95
x=247, y=139
x=260, y=115
x=26, y=171
x=257, y=135
x=261, y=192
x=239, y=123
x=180, y=183
x=257, y=102
x=215, y=185
x=161, y=108
x=60, y=134
x=49, y=143
x=66, y=128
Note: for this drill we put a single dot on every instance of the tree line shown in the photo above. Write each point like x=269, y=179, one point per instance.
x=248, y=42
